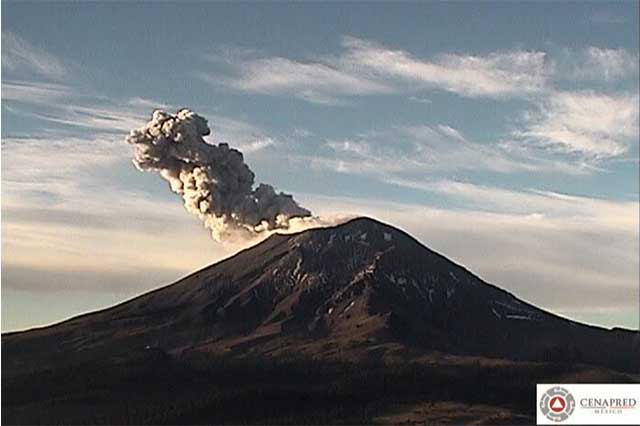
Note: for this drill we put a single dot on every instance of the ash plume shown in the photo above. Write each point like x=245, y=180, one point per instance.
x=214, y=182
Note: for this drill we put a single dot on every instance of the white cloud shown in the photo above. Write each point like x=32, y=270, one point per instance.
x=346, y=146
x=18, y=55
x=595, y=125
x=499, y=74
x=64, y=106
x=594, y=64
x=426, y=151
x=69, y=107
x=33, y=92
x=315, y=82
x=445, y=148
x=367, y=68
x=95, y=117
x=29, y=159
x=258, y=144
x=617, y=214
x=610, y=64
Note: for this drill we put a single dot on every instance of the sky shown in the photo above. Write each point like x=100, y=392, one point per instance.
x=503, y=135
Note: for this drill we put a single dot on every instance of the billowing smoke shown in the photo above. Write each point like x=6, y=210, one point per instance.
x=213, y=180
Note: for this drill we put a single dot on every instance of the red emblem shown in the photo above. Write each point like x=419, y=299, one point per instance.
x=557, y=404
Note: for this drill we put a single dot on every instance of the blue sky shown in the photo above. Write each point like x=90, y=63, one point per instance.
x=503, y=135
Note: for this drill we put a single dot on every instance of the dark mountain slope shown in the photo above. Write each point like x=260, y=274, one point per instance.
x=360, y=290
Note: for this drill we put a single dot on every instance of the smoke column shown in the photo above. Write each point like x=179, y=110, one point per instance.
x=214, y=182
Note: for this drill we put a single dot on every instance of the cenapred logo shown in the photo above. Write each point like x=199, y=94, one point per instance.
x=587, y=404
x=557, y=404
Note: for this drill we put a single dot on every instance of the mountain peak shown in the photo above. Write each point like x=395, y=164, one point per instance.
x=358, y=225
x=364, y=230
x=366, y=224
x=365, y=221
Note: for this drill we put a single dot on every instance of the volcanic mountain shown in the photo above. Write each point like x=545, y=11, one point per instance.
x=362, y=290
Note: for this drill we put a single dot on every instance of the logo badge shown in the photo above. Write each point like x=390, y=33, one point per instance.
x=557, y=404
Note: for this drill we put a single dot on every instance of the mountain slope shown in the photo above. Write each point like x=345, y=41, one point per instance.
x=360, y=290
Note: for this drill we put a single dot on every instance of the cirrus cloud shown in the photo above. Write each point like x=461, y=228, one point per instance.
x=369, y=68
x=595, y=125
x=498, y=74
x=18, y=55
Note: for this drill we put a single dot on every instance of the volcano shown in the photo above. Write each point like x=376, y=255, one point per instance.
x=362, y=292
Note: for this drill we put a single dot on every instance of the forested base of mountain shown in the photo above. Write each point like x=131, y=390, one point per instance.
x=154, y=388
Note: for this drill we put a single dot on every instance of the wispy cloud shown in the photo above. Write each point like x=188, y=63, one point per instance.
x=445, y=148
x=594, y=65
x=368, y=68
x=610, y=63
x=28, y=159
x=364, y=68
x=427, y=151
x=70, y=109
x=316, y=82
x=18, y=55
x=618, y=214
x=33, y=92
x=595, y=125
x=499, y=74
